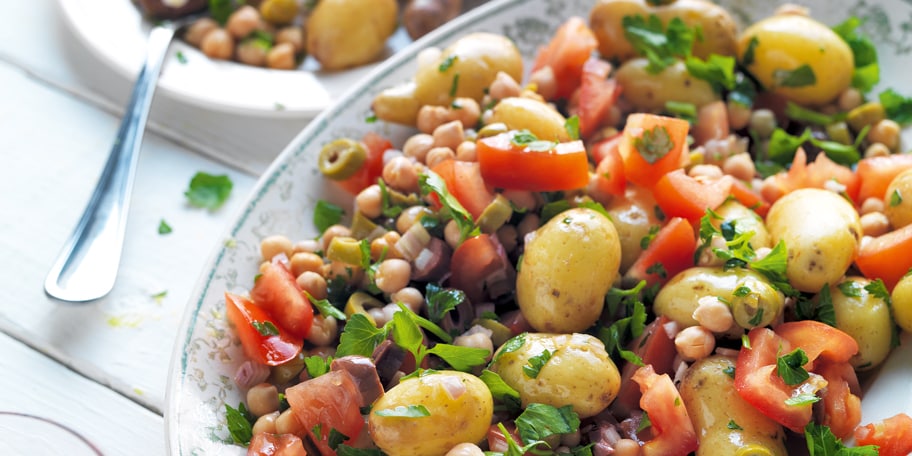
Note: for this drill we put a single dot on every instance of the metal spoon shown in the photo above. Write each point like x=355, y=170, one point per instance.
x=87, y=266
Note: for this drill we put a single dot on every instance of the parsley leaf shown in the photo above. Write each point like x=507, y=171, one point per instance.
x=790, y=367
x=326, y=214
x=802, y=399
x=326, y=308
x=540, y=421
x=896, y=199
x=360, y=337
x=661, y=46
x=850, y=289
x=654, y=144
x=867, y=70
x=511, y=345
x=442, y=300
x=748, y=57
x=682, y=110
x=572, y=127
x=717, y=70
x=798, y=77
x=536, y=363
x=500, y=390
x=164, y=228
x=773, y=266
x=447, y=63
x=208, y=191
x=220, y=10
x=822, y=442
x=433, y=183
x=734, y=426
x=459, y=357
x=403, y=411
x=317, y=365
x=898, y=107
x=239, y=425
x=265, y=328
x=627, y=328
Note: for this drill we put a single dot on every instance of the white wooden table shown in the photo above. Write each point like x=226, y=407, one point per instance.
x=98, y=369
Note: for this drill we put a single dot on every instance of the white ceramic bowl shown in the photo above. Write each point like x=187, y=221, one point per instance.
x=207, y=354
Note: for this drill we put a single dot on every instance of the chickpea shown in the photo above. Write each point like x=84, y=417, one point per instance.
x=713, y=314
x=243, y=21
x=324, y=330
x=740, y=166
x=274, y=245
x=522, y=200
x=508, y=237
x=872, y=204
x=476, y=340
x=466, y=111
x=370, y=201
x=452, y=234
x=262, y=399
x=886, y=132
x=850, y=99
x=307, y=245
x=504, y=86
x=417, y=146
x=706, y=171
x=302, y=262
x=393, y=275
x=465, y=449
x=738, y=115
x=313, y=283
x=875, y=224
x=763, y=122
x=281, y=57
x=695, y=342
x=385, y=246
x=410, y=296
x=450, y=135
x=545, y=82
x=382, y=315
x=198, y=30
x=266, y=423
x=349, y=273
x=218, y=44
x=439, y=155
x=293, y=36
x=877, y=150
x=400, y=174
x=251, y=52
x=626, y=447
x=430, y=117
x=287, y=423
x=466, y=151
x=411, y=216
x=331, y=232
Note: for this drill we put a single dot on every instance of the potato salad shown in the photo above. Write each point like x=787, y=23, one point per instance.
x=668, y=234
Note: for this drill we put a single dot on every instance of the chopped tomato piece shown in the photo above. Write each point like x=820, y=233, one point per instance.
x=266, y=444
x=758, y=383
x=875, y=174
x=672, y=429
x=375, y=145
x=712, y=122
x=465, y=182
x=602, y=148
x=816, y=174
x=276, y=291
x=597, y=95
x=893, y=435
x=656, y=348
x=818, y=340
x=670, y=252
x=481, y=269
x=749, y=197
x=841, y=407
x=566, y=53
x=609, y=174
x=887, y=256
x=325, y=404
x=680, y=195
x=652, y=146
x=540, y=166
x=263, y=339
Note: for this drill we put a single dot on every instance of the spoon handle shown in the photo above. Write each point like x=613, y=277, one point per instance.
x=87, y=266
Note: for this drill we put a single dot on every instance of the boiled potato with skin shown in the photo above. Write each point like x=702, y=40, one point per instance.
x=466, y=68
x=460, y=408
x=347, y=33
x=866, y=318
x=566, y=269
x=713, y=403
x=821, y=231
x=780, y=49
x=902, y=303
x=543, y=121
x=716, y=24
x=648, y=92
x=679, y=297
x=898, y=200
x=397, y=104
x=633, y=216
x=577, y=371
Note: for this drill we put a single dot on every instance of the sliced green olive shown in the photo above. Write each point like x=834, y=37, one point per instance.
x=839, y=132
x=287, y=371
x=359, y=302
x=867, y=114
x=364, y=228
x=344, y=249
x=495, y=215
x=499, y=332
x=342, y=158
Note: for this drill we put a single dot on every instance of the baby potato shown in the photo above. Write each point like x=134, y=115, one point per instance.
x=649, y=92
x=347, y=33
x=898, y=200
x=397, y=104
x=716, y=24
x=797, y=57
x=902, y=303
x=633, y=216
x=539, y=118
x=466, y=68
x=821, y=231
x=754, y=302
x=866, y=318
x=577, y=371
x=459, y=406
x=713, y=403
x=566, y=270
x=744, y=221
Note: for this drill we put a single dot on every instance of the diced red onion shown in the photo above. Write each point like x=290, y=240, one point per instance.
x=413, y=241
x=250, y=374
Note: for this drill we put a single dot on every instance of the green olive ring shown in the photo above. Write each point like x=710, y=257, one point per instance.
x=342, y=158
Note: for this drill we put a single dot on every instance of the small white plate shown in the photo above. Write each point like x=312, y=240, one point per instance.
x=208, y=353
x=116, y=31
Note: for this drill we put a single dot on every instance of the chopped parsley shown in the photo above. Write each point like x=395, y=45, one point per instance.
x=239, y=424
x=898, y=107
x=540, y=421
x=511, y=345
x=748, y=57
x=208, y=191
x=654, y=144
x=630, y=324
x=660, y=45
x=717, y=70
x=442, y=300
x=536, y=363
x=163, y=227
x=326, y=308
x=433, y=183
x=265, y=328
x=571, y=126
x=798, y=77
x=326, y=214
x=822, y=442
x=895, y=199
x=220, y=10
x=317, y=365
x=454, y=86
x=447, y=63
x=850, y=289
x=405, y=411
x=500, y=390
x=867, y=71
x=734, y=426
x=181, y=57
x=790, y=367
x=802, y=399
